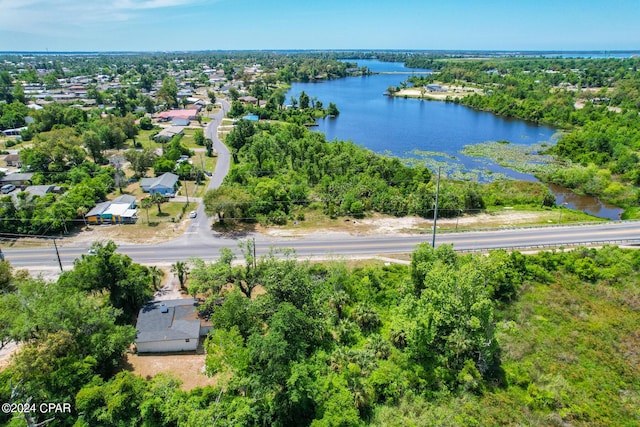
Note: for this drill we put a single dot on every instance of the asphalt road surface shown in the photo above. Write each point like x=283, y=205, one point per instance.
x=207, y=245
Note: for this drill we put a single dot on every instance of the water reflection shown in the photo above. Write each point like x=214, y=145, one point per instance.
x=587, y=204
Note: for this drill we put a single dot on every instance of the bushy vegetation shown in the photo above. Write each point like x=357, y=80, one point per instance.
x=449, y=340
x=82, y=186
x=283, y=168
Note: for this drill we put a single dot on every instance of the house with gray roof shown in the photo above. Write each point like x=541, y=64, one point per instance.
x=169, y=326
x=167, y=134
x=120, y=210
x=18, y=179
x=126, y=199
x=39, y=190
x=13, y=160
x=164, y=184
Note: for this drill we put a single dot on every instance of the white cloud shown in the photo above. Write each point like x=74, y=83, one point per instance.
x=150, y=4
x=64, y=17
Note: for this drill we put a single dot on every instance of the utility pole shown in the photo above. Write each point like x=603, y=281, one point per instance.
x=57, y=254
x=435, y=211
x=254, y=253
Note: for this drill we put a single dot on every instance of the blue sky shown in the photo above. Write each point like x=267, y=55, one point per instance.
x=168, y=25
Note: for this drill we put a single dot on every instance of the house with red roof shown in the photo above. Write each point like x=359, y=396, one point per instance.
x=169, y=115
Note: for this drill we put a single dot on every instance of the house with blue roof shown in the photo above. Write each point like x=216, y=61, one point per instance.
x=164, y=184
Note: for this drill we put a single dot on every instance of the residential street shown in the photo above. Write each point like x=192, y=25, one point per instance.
x=200, y=227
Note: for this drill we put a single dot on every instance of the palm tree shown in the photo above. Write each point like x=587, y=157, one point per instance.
x=158, y=199
x=82, y=211
x=180, y=269
x=156, y=275
x=366, y=317
x=146, y=203
x=338, y=300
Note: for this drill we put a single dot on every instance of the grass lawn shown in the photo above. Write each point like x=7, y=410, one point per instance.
x=145, y=138
x=189, y=188
x=169, y=211
x=19, y=146
x=187, y=139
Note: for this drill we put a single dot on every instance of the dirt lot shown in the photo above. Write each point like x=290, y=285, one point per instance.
x=188, y=367
x=124, y=233
x=385, y=225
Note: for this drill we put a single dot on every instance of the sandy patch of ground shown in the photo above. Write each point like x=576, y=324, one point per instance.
x=384, y=225
x=451, y=91
x=123, y=234
x=189, y=368
x=169, y=288
x=580, y=104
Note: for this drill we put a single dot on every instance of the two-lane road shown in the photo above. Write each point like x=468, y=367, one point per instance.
x=342, y=245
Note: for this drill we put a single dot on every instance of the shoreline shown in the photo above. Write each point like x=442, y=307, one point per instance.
x=449, y=92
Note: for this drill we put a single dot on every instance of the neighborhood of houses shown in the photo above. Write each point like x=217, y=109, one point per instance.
x=121, y=210
x=76, y=91
x=162, y=326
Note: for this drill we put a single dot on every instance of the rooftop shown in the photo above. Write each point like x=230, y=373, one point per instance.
x=168, y=320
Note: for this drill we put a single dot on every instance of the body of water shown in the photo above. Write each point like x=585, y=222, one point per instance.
x=400, y=127
x=404, y=127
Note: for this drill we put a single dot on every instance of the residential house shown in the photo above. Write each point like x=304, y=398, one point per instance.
x=167, y=134
x=13, y=160
x=18, y=179
x=120, y=210
x=180, y=122
x=164, y=184
x=184, y=93
x=169, y=115
x=170, y=326
x=39, y=190
x=434, y=87
x=94, y=216
x=126, y=199
x=120, y=213
x=248, y=99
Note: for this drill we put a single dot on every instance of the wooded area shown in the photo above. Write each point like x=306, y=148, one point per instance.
x=449, y=340
x=594, y=102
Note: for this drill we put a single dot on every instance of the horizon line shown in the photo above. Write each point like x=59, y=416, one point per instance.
x=511, y=51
